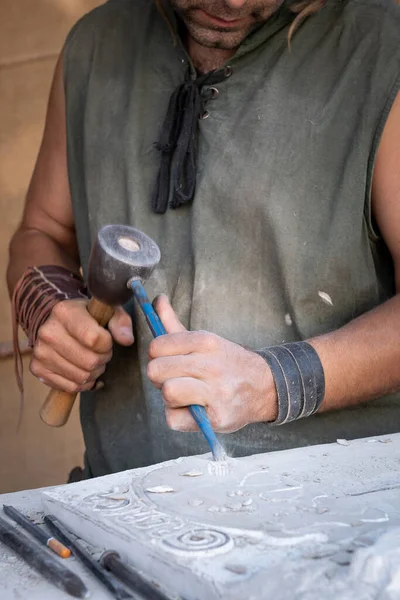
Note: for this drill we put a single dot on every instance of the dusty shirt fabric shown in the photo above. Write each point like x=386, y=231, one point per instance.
x=281, y=212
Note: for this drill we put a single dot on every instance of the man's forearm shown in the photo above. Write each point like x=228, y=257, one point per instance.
x=362, y=359
x=30, y=247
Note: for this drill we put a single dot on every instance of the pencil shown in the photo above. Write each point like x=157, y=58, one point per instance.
x=42, y=561
x=38, y=533
x=106, y=578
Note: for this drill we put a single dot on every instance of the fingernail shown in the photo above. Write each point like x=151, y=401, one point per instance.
x=176, y=427
x=158, y=298
x=126, y=333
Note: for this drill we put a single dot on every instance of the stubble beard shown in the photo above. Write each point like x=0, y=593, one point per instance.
x=212, y=36
x=217, y=37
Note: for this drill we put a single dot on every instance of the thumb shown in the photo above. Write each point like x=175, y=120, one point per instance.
x=120, y=327
x=168, y=316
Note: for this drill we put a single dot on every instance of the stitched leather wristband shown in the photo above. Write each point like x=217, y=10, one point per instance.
x=34, y=297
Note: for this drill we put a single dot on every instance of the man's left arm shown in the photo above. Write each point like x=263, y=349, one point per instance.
x=361, y=360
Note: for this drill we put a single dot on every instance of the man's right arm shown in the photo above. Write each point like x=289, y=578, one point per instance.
x=71, y=350
x=46, y=234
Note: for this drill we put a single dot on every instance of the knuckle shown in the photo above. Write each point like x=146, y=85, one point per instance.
x=153, y=348
x=168, y=391
x=214, y=341
x=73, y=387
x=34, y=368
x=90, y=337
x=95, y=374
x=152, y=371
x=93, y=363
x=39, y=351
x=60, y=309
x=83, y=377
x=212, y=369
x=101, y=361
x=225, y=392
x=45, y=333
x=208, y=341
x=97, y=361
x=218, y=422
x=100, y=367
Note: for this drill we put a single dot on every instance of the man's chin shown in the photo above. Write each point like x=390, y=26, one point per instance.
x=212, y=38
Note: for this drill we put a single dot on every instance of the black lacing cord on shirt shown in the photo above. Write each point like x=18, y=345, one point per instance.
x=178, y=142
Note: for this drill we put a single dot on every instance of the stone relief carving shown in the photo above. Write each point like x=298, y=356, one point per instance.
x=297, y=517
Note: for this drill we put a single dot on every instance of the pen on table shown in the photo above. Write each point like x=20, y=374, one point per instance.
x=116, y=588
x=35, y=530
x=42, y=561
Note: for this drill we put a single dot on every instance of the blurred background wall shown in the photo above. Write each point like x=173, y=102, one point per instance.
x=31, y=35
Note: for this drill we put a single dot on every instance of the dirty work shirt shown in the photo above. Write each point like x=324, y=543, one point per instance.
x=281, y=212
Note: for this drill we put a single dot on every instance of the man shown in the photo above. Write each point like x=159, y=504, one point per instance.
x=282, y=170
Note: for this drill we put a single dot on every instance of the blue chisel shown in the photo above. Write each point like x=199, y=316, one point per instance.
x=157, y=328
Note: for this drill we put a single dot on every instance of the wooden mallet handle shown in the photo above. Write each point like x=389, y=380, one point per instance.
x=58, y=405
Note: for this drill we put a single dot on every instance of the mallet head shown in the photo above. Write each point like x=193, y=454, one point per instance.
x=119, y=254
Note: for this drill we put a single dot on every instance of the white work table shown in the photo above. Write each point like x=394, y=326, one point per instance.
x=300, y=524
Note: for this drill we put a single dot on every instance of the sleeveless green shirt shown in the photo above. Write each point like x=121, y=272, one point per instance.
x=281, y=211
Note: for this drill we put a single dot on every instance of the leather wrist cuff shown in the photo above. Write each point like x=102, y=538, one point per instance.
x=34, y=297
x=37, y=292
x=299, y=380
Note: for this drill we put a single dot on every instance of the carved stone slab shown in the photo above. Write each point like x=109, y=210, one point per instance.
x=291, y=524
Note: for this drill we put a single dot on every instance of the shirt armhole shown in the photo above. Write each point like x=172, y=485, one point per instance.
x=373, y=230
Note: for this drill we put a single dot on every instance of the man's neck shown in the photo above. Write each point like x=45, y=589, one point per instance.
x=206, y=59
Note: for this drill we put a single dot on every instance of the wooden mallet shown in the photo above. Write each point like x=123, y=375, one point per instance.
x=119, y=255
